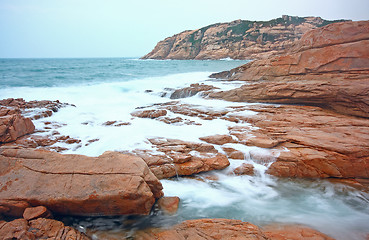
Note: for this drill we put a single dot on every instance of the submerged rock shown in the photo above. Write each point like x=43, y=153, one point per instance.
x=169, y=205
x=110, y=184
x=182, y=158
x=190, y=91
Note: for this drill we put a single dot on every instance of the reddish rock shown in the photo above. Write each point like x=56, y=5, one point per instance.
x=169, y=205
x=182, y=158
x=36, y=212
x=327, y=68
x=263, y=142
x=17, y=229
x=285, y=232
x=244, y=169
x=110, y=184
x=313, y=142
x=40, y=228
x=43, y=108
x=14, y=126
x=205, y=229
x=149, y=113
x=190, y=91
x=218, y=139
x=240, y=39
x=233, y=153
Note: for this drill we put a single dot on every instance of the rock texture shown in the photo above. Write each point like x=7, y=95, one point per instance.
x=40, y=228
x=239, y=39
x=328, y=67
x=13, y=125
x=320, y=143
x=181, y=158
x=284, y=232
x=229, y=229
x=110, y=184
x=33, y=109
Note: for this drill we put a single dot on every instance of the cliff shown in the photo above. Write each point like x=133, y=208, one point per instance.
x=240, y=39
x=328, y=67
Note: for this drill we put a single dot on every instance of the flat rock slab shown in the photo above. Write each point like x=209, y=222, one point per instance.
x=230, y=229
x=111, y=184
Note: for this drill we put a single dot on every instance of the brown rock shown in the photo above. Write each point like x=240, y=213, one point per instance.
x=14, y=126
x=44, y=108
x=244, y=169
x=190, y=91
x=314, y=143
x=40, y=228
x=239, y=39
x=262, y=142
x=218, y=139
x=206, y=229
x=169, y=205
x=17, y=229
x=110, y=184
x=182, y=158
x=233, y=153
x=149, y=113
x=284, y=232
x=328, y=68
x=36, y=212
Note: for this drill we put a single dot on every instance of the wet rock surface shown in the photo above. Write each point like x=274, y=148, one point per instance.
x=177, y=158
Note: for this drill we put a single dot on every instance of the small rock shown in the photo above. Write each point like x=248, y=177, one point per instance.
x=36, y=212
x=169, y=205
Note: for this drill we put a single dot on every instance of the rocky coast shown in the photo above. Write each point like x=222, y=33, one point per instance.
x=308, y=120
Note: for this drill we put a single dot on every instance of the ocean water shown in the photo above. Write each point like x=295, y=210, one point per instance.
x=110, y=89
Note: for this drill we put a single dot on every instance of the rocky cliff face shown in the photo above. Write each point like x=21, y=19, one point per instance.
x=239, y=39
x=328, y=68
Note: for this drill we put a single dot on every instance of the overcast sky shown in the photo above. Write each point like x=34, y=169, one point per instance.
x=120, y=28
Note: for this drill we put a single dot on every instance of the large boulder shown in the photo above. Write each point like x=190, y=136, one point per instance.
x=13, y=125
x=328, y=67
x=110, y=184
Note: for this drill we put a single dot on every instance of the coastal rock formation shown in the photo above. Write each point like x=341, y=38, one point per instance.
x=239, y=39
x=182, y=158
x=13, y=125
x=229, y=229
x=33, y=109
x=319, y=143
x=328, y=67
x=110, y=184
x=283, y=232
x=190, y=91
x=40, y=228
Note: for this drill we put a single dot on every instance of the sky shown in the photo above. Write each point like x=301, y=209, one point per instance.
x=122, y=28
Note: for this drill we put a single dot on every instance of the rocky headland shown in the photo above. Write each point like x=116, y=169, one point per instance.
x=315, y=125
x=239, y=39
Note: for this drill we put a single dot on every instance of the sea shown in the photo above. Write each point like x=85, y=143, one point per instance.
x=110, y=89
